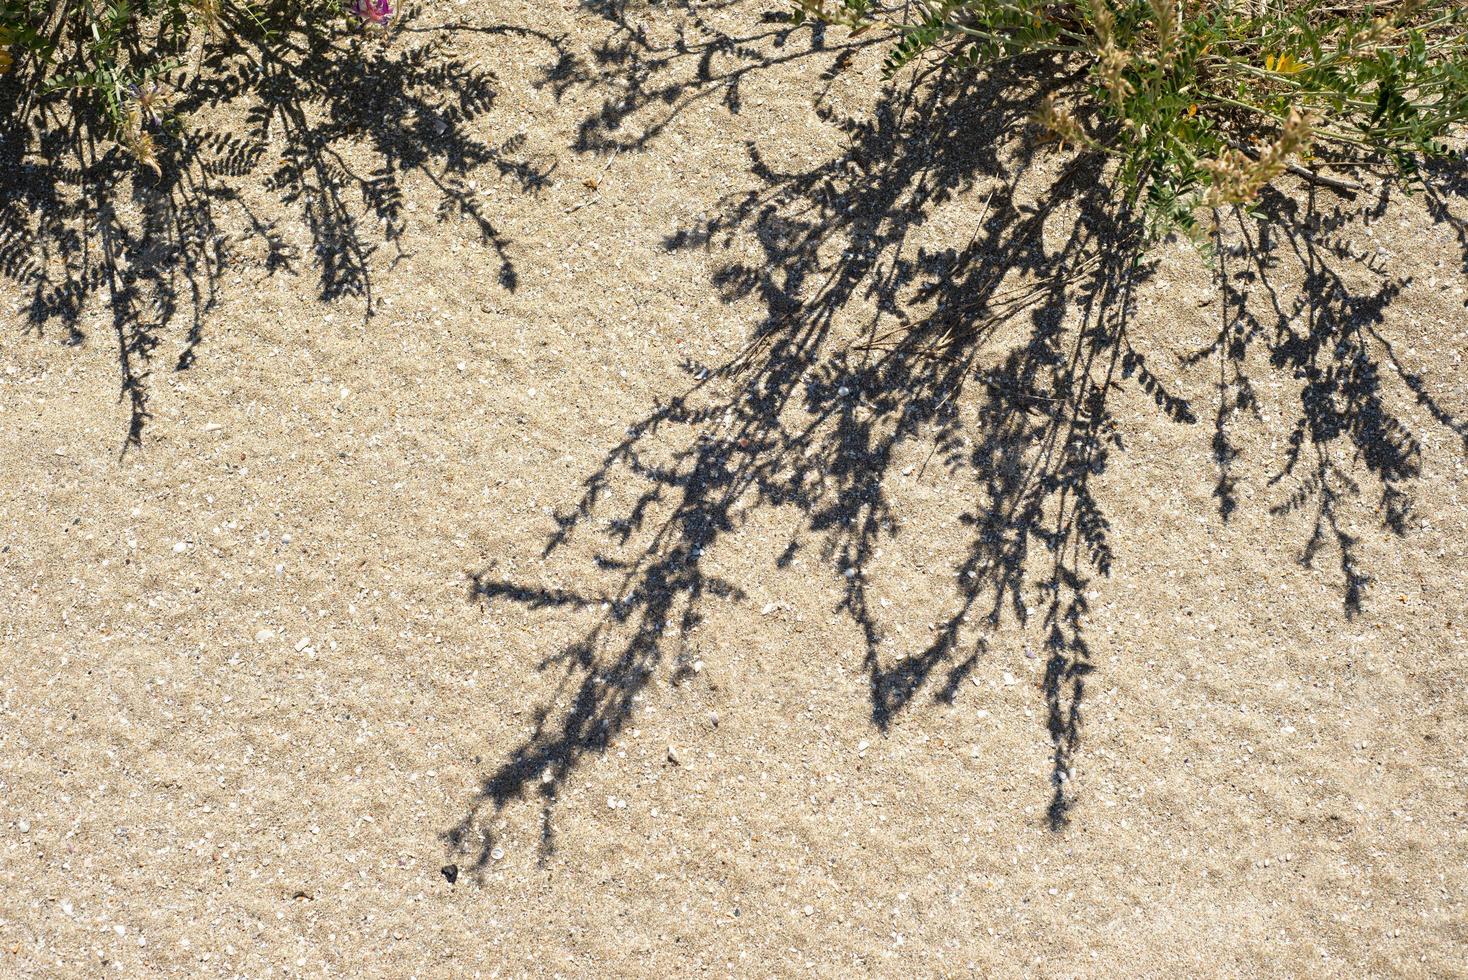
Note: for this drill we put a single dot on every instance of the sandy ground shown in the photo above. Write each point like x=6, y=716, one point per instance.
x=634, y=495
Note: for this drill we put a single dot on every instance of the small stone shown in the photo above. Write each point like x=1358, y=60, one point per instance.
x=673, y=756
x=303, y=643
x=181, y=547
x=808, y=910
x=24, y=826
x=498, y=854
x=769, y=607
x=863, y=745
x=450, y=872
x=1009, y=679
x=698, y=666
x=262, y=635
x=212, y=426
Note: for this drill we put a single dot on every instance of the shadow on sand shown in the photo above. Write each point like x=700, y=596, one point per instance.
x=331, y=125
x=1001, y=356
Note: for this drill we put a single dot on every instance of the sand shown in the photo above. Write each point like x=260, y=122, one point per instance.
x=622, y=491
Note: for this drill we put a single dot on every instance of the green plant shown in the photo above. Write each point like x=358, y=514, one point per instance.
x=120, y=62
x=1203, y=104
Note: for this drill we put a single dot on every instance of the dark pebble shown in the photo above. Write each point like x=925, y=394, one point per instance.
x=450, y=871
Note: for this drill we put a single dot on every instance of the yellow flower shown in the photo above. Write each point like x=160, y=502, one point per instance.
x=1284, y=64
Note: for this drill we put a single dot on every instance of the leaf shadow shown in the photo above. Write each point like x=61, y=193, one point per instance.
x=336, y=127
x=1002, y=357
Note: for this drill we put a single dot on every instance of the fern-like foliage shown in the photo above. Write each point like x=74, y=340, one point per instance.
x=1202, y=104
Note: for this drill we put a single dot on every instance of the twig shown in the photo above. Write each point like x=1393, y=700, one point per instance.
x=1334, y=183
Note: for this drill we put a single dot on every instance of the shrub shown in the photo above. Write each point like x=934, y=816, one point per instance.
x=1205, y=103
x=118, y=62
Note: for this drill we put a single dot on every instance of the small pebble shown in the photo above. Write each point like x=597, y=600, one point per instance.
x=497, y=854
x=450, y=872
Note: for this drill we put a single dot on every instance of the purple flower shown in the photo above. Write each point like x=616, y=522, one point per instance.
x=149, y=97
x=377, y=12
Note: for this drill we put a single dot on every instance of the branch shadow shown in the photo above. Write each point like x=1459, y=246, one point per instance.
x=334, y=126
x=1296, y=286
x=1002, y=357
x=649, y=76
x=852, y=360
